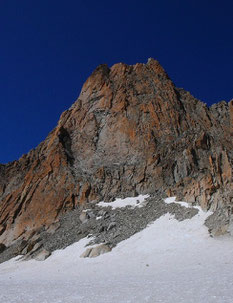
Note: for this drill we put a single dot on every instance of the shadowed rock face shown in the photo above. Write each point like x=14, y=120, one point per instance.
x=131, y=131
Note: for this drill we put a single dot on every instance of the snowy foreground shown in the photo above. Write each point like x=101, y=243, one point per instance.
x=169, y=261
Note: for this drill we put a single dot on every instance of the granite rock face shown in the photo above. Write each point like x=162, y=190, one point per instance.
x=131, y=131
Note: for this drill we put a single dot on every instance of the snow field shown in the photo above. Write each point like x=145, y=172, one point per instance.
x=167, y=262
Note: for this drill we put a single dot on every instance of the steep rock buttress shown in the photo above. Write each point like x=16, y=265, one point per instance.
x=130, y=131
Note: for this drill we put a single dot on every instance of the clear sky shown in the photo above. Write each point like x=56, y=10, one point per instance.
x=49, y=47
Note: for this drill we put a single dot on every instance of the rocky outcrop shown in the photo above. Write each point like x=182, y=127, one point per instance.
x=131, y=131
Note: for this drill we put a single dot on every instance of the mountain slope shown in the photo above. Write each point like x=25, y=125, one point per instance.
x=131, y=131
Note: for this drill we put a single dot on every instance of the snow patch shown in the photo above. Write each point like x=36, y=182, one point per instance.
x=183, y=203
x=131, y=201
x=173, y=200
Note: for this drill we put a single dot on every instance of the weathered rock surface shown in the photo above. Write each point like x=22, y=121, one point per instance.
x=131, y=131
x=221, y=221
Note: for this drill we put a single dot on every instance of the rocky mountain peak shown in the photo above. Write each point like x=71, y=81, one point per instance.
x=131, y=131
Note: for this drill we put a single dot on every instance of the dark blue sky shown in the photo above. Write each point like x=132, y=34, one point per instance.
x=49, y=47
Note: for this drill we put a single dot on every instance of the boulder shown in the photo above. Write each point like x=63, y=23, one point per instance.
x=111, y=225
x=86, y=253
x=83, y=216
x=42, y=255
x=93, y=252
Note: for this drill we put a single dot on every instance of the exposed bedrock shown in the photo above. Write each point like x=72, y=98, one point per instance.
x=131, y=131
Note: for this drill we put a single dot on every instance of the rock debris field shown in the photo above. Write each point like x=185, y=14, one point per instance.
x=172, y=259
x=101, y=223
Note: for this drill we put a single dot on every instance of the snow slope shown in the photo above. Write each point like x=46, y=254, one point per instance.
x=169, y=261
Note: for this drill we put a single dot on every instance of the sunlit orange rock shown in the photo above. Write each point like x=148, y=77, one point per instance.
x=130, y=131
